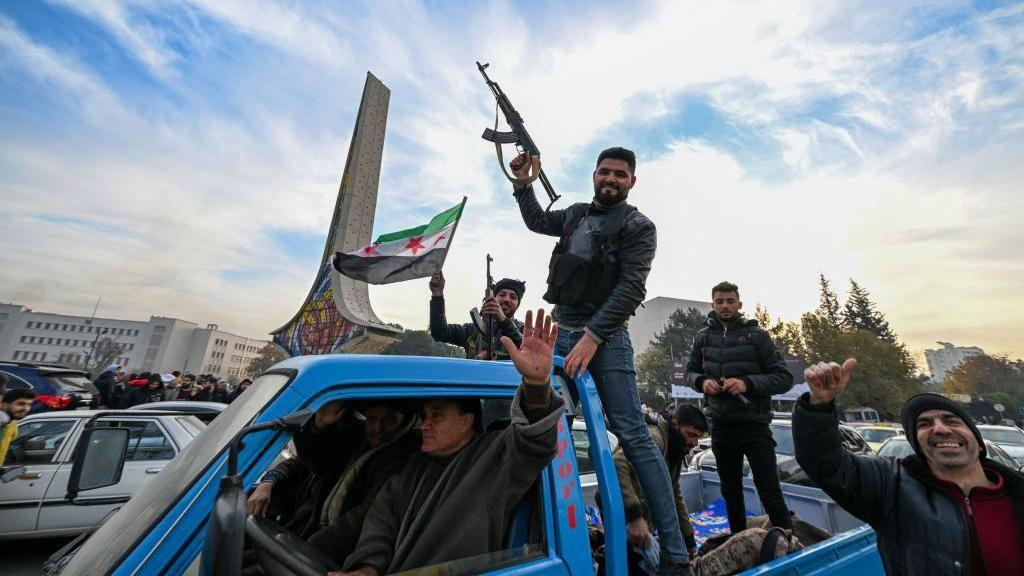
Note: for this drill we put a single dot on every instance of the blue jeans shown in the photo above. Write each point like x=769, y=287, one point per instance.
x=613, y=371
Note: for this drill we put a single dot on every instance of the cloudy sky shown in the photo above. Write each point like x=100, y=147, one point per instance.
x=182, y=158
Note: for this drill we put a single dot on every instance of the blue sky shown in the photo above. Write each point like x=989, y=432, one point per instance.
x=182, y=158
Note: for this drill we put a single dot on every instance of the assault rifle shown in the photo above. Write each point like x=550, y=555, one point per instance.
x=486, y=325
x=518, y=136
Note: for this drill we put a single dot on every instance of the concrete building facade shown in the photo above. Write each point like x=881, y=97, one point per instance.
x=158, y=345
x=945, y=359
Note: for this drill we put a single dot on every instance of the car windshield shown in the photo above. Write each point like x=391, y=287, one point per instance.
x=1001, y=436
x=897, y=448
x=70, y=382
x=877, y=434
x=783, y=439
x=117, y=537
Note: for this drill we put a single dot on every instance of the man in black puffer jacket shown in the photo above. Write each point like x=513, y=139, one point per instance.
x=738, y=368
x=946, y=510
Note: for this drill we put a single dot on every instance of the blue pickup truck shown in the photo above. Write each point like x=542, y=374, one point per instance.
x=191, y=519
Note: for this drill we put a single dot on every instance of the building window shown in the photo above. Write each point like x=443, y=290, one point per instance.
x=16, y=354
x=24, y=339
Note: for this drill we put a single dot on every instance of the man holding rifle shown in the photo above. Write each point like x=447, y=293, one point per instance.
x=500, y=307
x=596, y=279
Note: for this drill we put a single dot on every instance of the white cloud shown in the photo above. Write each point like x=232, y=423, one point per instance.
x=878, y=134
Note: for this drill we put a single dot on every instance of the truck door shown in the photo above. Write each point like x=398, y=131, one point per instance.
x=149, y=450
x=36, y=448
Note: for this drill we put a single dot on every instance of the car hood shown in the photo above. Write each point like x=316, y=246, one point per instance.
x=1016, y=451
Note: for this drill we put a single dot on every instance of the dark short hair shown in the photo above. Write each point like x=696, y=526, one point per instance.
x=19, y=394
x=618, y=153
x=690, y=415
x=176, y=373
x=471, y=406
x=725, y=286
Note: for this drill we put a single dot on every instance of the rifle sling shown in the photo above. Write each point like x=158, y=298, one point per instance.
x=534, y=161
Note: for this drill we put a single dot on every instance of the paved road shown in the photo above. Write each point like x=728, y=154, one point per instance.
x=26, y=557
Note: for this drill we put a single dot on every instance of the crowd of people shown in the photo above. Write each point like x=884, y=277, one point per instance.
x=119, y=389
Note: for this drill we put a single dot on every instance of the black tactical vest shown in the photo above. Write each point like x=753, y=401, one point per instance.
x=584, y=264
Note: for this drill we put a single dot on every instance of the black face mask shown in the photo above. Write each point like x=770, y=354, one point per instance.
x=676, y=446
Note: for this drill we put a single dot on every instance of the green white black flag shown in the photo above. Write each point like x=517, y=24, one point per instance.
x=404, y=255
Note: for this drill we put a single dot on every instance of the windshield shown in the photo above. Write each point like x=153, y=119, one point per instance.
x=1003, y=436
x=783, y=439
x=877, y=434
x=70, y=382
x=895, y=448
x=118, y=536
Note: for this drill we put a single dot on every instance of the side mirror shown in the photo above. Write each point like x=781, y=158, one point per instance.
x=11, y=474
x=99, y=460
x=225, y=534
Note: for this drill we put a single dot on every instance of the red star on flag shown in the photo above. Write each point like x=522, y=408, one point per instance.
x=370, y=251
x=415, y=244
x=439, y=239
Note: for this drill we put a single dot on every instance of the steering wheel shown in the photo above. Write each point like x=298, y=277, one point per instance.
x=281, y=553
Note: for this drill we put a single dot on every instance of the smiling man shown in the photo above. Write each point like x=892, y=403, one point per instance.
x=597, y=277
x=946, y=509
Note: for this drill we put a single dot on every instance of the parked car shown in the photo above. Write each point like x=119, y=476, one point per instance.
x=859, y=415
x=56, y=387
x=34, y=503
x=1009, y=438
x=584, y=464
x=899, y=447
x=785, y=453
x=205, y=411
x=876, y=434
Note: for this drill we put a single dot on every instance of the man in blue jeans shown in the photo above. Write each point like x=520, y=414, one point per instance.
x=596, y=279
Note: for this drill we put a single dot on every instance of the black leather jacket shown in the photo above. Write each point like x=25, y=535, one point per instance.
x=920, y=528
x=738, y=349
x=636, y=252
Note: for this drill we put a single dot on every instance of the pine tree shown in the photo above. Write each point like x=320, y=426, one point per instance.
x=828, y=308
x=860, y=313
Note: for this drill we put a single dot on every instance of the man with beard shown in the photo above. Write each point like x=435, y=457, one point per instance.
x=675, y=436
x=596, y=279
x=14, y=406
x=501, y=308
x=944, y=510
x=738, y=368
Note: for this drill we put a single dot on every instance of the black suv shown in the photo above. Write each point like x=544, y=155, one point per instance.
x=56, y=387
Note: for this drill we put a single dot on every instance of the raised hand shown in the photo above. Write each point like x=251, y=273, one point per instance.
x=437, y=283
x=533, y=358
x=520, y=166
x=828, y=379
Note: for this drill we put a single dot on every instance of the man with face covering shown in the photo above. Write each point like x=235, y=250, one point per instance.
x=500, y=308
x=454, y=499
x=675, y=435
x=944, y=510
x=596, y=279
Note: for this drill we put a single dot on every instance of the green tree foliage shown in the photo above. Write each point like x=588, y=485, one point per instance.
x=786, y=335
x=268, y=356
x=988, y=376
x=420, y=343
x=860, y=313
x=886, y=375
x=828, y=306
x=674, y=341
